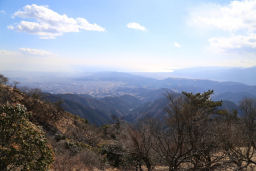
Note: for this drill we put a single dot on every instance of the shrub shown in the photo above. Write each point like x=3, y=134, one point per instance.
x=22, y=144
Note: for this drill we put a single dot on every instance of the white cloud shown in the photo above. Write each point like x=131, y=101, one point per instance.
x=36, y=52
x=237, y=15
x=136, y=26
x=48, y=24
x=177, y=45
x=10, y=27
x=234, y=42
x=2, y=12
x=236, y=20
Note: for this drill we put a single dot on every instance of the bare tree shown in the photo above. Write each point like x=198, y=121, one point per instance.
x=171, y=139
x=240, y=146
x=189, y=137
x=140, y=145
x=3, y=79
x=15, y=83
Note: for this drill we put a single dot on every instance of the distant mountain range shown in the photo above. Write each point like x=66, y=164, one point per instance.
x=136, y=85
x=135, y=97
x=100, y=96
x=242, y=75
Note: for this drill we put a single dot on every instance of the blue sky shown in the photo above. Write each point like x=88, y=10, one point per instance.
x=134, y=35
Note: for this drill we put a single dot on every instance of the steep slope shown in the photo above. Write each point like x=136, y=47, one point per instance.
x=153, y=109
x=97, y=111
x=70, y=136
x=157, y=110
x=141, y=103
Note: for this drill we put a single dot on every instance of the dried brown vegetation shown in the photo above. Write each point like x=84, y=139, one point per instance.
x=196, y=135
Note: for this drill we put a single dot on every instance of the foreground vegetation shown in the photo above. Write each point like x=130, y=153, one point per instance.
x=196, y=135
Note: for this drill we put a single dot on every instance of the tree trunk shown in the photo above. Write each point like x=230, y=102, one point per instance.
x=3, y=167
x=140, y=167
x=148, y=165
x=172, y=168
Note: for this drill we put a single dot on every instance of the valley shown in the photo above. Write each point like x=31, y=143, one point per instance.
x=100, y=97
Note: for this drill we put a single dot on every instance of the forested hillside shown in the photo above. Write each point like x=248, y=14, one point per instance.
x=196, y=133
x=98, y=111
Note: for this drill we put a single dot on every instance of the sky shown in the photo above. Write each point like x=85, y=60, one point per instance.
x=126, y=35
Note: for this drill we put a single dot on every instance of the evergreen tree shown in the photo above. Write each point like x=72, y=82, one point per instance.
x=22, y=144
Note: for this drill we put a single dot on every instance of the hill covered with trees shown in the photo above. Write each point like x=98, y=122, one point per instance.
x=196, y=134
